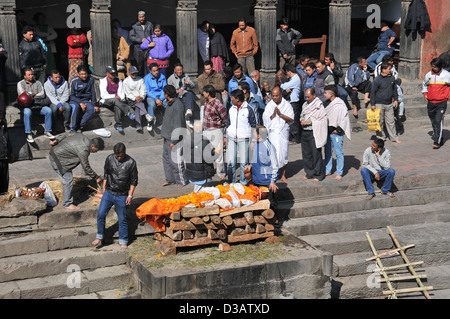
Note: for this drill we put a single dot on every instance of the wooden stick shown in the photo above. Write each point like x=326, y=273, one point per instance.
x=398, y=266
x=389, y=252
x=406, y=290
x=405, y=258
x=403, y=278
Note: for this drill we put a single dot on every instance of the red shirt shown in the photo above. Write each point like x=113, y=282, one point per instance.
x=76, y=43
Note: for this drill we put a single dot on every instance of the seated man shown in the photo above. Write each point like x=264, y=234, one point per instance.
x=135, y=93
x=154, y=84
x=113, y=96
x=357, y=79
x=35, y=90
x=82, y=98
x=184, y=86
x=384, y=46
x=57, y=90
x=377, y=165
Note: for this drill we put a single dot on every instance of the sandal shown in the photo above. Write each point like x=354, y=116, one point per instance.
x=391, y=195
x=370, y=196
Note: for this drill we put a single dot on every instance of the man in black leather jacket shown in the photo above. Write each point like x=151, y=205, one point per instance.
x=32, y=54
x=120, y=181
x=140, y=31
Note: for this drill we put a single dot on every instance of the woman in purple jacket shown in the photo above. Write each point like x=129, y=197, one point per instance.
x=160, y=49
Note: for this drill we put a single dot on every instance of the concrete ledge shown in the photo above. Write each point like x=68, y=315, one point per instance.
x=304, y=273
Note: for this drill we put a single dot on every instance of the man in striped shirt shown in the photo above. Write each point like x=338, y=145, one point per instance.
x=214, y=120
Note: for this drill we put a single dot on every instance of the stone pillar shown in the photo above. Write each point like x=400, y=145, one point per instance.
x=410, y=48
x=187, y=47
x=101, y=36
x=266, y=31
x=8, y=33
x=340, y=30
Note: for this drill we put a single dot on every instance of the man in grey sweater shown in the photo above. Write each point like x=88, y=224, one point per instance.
x=377, y=166
x=57, y=90
x=173, y=126
x=384, y=96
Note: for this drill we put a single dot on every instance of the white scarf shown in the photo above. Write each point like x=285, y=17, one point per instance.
x=338, y=116
x=316, y=112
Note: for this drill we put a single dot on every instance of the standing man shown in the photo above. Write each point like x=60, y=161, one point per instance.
x=384, y=47
x=70, y=150
x=277, y=118
x=303, y=61
x=154, y=84
x=244, y=45
x=314, y=136
x=291, y=90
x=140, y=31
x=336, y=69
x=376, y=165
x=255, y=101
x=384, y=96
x=338, y=126
x=35, y=90
x=287, y=38
x=436, y=90
x=184, y=86
x=5, y=154
x=32, y=54
x=214, y=120
x=173, y=121
x=241, y=121
x=112, y=96
x=211, y=77
x=445, y=58
x=83, y=98
x=324, y=77
x=57, y=90
x=238, y=76
x=119, y=183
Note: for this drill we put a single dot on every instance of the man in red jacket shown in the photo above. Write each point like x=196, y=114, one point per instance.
x=436, y=90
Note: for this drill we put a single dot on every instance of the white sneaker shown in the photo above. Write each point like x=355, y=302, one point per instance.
x=188, y=123
x=188, y=113
x=30, y=138
x=148, y=117
x=49, y=135
x=149, y=127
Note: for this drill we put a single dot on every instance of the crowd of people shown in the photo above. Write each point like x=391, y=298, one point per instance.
x=240, y=114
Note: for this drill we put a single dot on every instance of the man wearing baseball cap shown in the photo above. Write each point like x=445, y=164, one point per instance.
x=112, y=96
x=135, y=93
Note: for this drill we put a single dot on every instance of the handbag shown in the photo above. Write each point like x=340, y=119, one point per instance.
x=373, y=120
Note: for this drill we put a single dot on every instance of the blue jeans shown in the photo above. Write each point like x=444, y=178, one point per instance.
x=375, y=58
x=232, y=150
x=335, y=142
x=67, y=112
x=369, y=177
x=151, y=102
x=80, y=118
x=27, y=115
x=119, y=203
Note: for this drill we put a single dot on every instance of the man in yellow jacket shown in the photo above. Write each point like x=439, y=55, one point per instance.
x=244, y=45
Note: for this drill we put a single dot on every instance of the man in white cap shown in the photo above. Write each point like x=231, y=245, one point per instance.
x=140, y=31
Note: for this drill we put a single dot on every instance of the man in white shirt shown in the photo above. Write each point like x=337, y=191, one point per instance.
x=135, y=93
x=291, y=90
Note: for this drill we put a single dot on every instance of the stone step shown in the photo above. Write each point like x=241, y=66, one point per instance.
x=364, y=286
x=58, y=262
x=69, y=284
x=326, y=206
x=431, y=238
x=120, y=293
x=369, y=219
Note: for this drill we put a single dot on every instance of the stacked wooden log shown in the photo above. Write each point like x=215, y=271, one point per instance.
x=203, y=226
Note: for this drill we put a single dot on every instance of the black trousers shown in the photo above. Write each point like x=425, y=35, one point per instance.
x=436, y=113
x=4, y=176
x=295, y=129
x=312, y=157
x=120, y=109
x=364, y=87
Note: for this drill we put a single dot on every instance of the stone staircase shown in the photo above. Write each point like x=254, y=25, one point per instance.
x=54, y=259
x=337, y=223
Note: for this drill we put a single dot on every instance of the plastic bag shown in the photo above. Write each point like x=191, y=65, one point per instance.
x=49, y=195
x=373, y=120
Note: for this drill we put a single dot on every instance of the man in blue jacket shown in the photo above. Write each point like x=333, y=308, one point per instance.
x=357, y=79
x=239, y=76
x=154, y=83
x=384, y=47
x=83, y=98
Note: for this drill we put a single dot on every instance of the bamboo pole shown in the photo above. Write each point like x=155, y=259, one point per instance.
x=398, y=266
x=406, y=290
x=403, y=278
x=406, y=259
x=389, y=252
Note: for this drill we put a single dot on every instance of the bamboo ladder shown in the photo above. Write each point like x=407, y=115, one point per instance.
x=384, y=270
